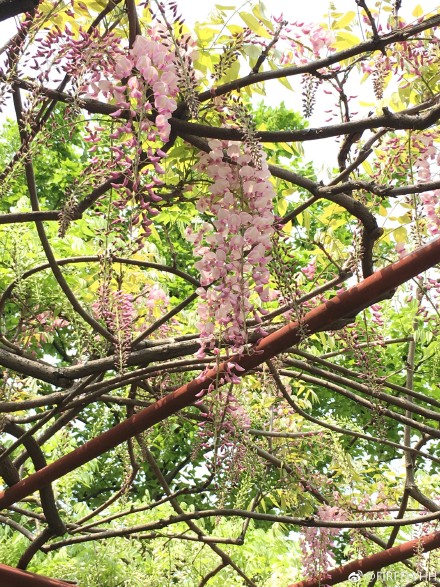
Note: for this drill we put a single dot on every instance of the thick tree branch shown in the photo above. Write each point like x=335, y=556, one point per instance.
x=35, y=369
x=238, y=513
x=33, y=548
x=134, y=28
x=17, y=527
x=13, y=218
x=395, y=121
x=414, y=118
x=9, y=8
x=32, y=188
x=56, y=525
x=398, y=36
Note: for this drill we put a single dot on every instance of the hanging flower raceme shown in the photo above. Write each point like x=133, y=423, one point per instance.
x=142, y=83
x=427, y=168
x=234, y=246
x=317, y=543
x=142, y=79
x=116, y=309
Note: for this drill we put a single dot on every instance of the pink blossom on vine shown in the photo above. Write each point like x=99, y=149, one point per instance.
x=304, y=42
x=377, y=314
x=427, y=165
x=320, y=38
x=152, y=304
x=234, y=247
x=237, y=417
x=142, y=82
x=122, y=66
x=431, y=206
x=163, y=126
x=317, y=543
x=48, y=320
x=309, y=270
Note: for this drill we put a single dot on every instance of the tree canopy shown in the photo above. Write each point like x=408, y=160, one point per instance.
x=219, y=293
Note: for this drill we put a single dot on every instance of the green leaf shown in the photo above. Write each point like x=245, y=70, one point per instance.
x=346, y=40
x=282, y=206
x=400, y=235
x=367, y=166
x=285, y=82
x=257, y=10
x=345, y=20
x=254, y=24
x=204, y=33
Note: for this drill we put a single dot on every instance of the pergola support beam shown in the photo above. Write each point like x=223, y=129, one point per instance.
x=323, y=317
x=11, y=577
x=376, y=562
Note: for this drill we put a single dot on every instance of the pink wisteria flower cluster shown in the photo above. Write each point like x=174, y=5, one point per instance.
x=317, y=543
x=233, y=244
x=423, y=154
x=304, y=42
x=33, y=335
x=152, y=304
x=427, y=166
x=143, y=81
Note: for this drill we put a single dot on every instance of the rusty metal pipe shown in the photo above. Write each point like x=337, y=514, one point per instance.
x=11, y=577
x=375, y=562
x=345, y=304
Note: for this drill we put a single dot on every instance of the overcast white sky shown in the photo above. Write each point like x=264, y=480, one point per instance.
x=293, y=10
